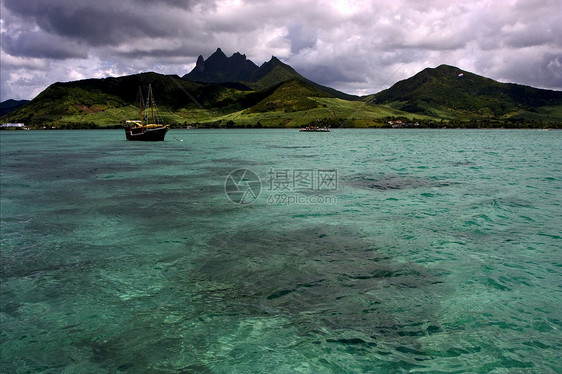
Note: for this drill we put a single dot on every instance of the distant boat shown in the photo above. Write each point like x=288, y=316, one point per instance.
x=147, y=128
x=314, y=129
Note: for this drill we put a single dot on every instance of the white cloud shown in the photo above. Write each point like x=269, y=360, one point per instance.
x=31, y=63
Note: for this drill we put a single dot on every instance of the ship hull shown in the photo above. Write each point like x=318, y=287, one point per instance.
x=146, y=134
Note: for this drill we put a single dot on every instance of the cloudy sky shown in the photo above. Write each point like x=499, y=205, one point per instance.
x=358, y=47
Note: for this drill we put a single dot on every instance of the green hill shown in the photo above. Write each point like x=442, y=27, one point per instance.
x=290, y=96
x=272, y=73
x=110, y=101
x=451, y=93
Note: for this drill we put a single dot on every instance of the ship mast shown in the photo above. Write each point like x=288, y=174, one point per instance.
x=151, y=101
x=141, y=107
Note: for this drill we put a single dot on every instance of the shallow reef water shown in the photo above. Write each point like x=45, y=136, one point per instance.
x=361, y=251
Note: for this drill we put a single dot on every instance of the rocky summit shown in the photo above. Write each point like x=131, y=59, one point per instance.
x=219, y=68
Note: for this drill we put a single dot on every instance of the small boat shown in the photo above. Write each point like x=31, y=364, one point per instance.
x=314, y=129
x=144, y=129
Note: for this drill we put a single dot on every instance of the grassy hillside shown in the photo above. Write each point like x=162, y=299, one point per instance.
x=109, y=101
x=271, y=74
x=328, y=111
x=274, y=72
x=290, y=96
x=57, y=102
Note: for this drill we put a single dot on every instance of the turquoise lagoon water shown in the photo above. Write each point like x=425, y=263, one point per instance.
x=377, y=251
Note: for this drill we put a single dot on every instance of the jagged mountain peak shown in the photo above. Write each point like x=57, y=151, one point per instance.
x=217, y=56
x=219, y=52
x=200, y=65
x=219, y=68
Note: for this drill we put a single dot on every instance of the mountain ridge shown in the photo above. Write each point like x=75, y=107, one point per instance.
x=274, y=94
x=220, y=69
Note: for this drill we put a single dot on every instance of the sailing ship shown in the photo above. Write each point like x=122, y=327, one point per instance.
x=148, y=128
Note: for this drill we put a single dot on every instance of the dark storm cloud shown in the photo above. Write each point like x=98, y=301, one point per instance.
x=100, y=22
x=355, y=46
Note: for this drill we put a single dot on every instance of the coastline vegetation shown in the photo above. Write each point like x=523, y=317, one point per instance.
x=433, y=98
